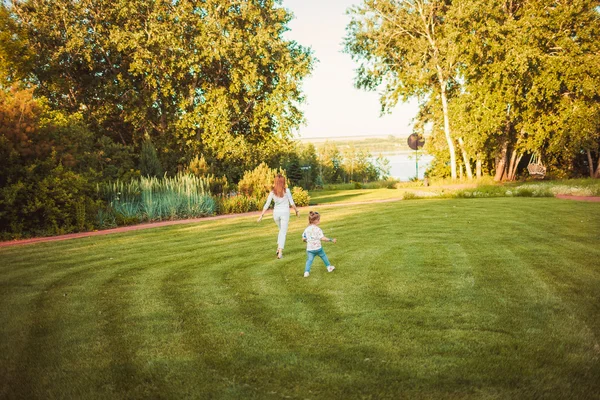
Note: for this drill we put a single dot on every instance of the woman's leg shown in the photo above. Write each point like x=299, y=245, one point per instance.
x=310, y=256
x=277, y=219
x=284, y=220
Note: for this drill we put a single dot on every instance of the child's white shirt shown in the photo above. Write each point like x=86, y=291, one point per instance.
x=313, y=235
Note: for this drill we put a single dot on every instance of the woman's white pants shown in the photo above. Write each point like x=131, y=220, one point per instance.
x=282, y=219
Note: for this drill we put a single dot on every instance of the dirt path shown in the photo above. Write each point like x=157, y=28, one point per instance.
x=197, y=220
x=578, y=198
x=167, y=223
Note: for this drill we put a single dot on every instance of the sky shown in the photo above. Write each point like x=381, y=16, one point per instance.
x=334, y=107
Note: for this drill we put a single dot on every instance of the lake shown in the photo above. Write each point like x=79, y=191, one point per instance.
x=402, y=165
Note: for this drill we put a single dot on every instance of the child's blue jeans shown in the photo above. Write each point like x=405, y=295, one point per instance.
x=311, y=254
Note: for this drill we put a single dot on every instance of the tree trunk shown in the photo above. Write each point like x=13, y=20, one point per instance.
x=478, y=166
x=447, y=124
x=466, y=158
x=598, y=167
x=513, y=156
x=501, y=162
x=501, y=158
x=512, y=171
x=591, y=163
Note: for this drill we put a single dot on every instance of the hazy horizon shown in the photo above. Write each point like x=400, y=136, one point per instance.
x=334, y=107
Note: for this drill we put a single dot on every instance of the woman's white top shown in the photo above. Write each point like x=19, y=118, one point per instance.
x=281, y=203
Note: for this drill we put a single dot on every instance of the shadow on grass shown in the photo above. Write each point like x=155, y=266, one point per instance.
x=333, y=199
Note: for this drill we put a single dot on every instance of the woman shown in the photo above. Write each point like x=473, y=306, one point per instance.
x=281, y=212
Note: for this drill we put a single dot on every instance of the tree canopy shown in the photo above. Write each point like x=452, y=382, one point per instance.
x=499, y=79
x=214, y=77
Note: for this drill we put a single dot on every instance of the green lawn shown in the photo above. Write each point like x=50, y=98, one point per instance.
x=354, y=195
x=431, y=299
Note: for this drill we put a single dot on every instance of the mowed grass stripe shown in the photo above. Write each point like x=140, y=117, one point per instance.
x=457, y=298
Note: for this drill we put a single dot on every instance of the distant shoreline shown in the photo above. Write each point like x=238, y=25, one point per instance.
x=321, y=139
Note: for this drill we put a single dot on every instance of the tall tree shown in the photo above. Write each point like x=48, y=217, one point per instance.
x=330, y=160
x=404, y=43
x=529, y=80
x=214, y=77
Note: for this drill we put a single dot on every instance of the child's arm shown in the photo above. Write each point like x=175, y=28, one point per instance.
x=326, y=239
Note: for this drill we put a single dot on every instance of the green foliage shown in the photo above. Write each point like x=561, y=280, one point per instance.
x=106, y=219
x=300, y=196
x=292, y=170
x=198, y=166
x=258, y=182
x=410, y=196
x=310, y=166
x=60, y=202
x=331, y=160
x=114, y=160
x=514, y=78
x=319, y=182
x=149, y=162
x=156, y=199
x=382, y=167
x=353, y=164
x=212, y=77
x=407, y=49
x=237, y=204
x=502, y=191
x=46, y=177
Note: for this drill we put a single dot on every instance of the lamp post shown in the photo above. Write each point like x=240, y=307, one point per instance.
x=415, y=142
x=306, y=170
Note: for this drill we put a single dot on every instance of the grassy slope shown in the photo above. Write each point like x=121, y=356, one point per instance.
x=354, y=195
x=494, y=298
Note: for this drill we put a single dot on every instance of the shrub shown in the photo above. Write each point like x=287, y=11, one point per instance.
x=237, y=204
x=106, y=218
x=155, y=199
x=409, y=196
x=198, y=166
x=48, y=159
x=61, y=202
x=300, y=196
x=149, y=162
x=259, y=181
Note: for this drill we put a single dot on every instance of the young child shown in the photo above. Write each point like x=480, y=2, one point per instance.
x=313, y=235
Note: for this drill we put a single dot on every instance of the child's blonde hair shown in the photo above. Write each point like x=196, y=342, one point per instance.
x=313, y=217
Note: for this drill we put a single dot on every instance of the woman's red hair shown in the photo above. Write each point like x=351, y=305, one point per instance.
x=279, y=185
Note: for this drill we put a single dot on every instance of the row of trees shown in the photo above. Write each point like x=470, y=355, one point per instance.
x=215, y=77
x=310, y=167
x=99, y=91
x=55, y=174
x=499, y=81
x=95, y=90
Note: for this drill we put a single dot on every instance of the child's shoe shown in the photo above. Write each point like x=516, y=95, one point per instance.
x=306, y=274
x=330, y=268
